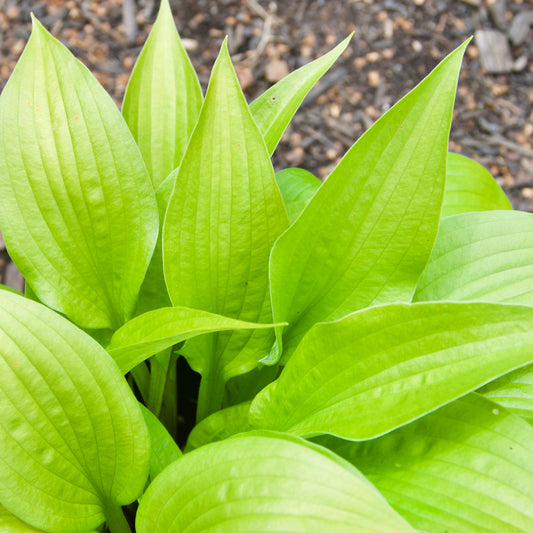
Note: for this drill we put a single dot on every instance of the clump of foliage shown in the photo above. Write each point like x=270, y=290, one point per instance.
x=363, y=344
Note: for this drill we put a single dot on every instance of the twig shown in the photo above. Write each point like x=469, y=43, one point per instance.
x=502, y=141
x=128, y=18
x=266, y=37
x=330, y=79
x=261, y=11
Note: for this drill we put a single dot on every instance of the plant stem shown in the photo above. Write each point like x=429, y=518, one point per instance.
x=162, y=397
x=115, y=520
x=159, y=364
x=210, y=395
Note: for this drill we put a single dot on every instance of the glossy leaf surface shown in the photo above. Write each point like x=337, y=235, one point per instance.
x=470, y=187
x=366, y=235
x=10, y=523
x=163, y=98
x=220, y=425
x=467, y=467
x=380, y=368
x=481, y=256
x=274, y=109
x=222, y=219
x=157, y=330
x=297, y=187
x=514, y=391
x=263, y=483
x=73, y=442
x=164, y=449
x=77, y=208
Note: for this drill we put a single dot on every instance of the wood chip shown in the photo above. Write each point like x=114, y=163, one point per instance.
x=374, y=78
x=276, y=70
x=494, y=51
x=519, y=29
x=13, y=278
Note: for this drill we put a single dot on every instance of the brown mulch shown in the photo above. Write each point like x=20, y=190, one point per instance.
x=396, y=43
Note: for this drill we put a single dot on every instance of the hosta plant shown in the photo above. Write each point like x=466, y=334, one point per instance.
x=363, y=344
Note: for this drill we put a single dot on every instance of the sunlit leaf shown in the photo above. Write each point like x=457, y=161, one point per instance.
x=514, y=391
x=73, y=443
x=366, y=235
x=470, y=187
x=481, y=256
x=274, y=109
x=157, y=330
x=468, y=467
x=164, y=448
x=223, y=216
x=297, y=187
x=380, y=368
x=163, y=98
x=264, y=482
x=220, y=425
x=77, y=208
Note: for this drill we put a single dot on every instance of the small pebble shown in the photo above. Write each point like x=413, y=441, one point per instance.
x=417, y=46
x=374, y=78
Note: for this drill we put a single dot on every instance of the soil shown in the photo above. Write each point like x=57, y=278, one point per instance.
x=395, y=44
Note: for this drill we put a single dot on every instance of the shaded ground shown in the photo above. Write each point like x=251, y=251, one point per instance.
x=396, y=43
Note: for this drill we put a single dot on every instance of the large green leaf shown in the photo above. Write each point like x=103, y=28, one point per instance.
x=154, y=293
x=466, y=468
x=481, y=256
x=161, y=106
x=470, y=187
x=264, y=482
x=380, y=368
x=77, y=208
x=297, y=186
x=163, y=98
x=366, y=235
x=157, y=330
x=73, y=443
x=223, y=217
x=274, y=109
x=163, y=446
x=10, y=523
x=220, y=425
x=514, y=391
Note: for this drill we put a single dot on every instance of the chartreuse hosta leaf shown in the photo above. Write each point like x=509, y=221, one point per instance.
x=10, y=523
x=73, y=443
x=470, y=187
x=348, y=378
x=272, y=112
x=157, y=330
x=264, y=482
x=274, y=109
x=163, y=98
x=366, y=235
x=297, y=186
x=486, y=256
x=163, y=446
x=220, y=425
x=77, y=208
x=223, y=217
x=466, y=468
x=161, y=106
x=514, y=391
x=481, y=256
